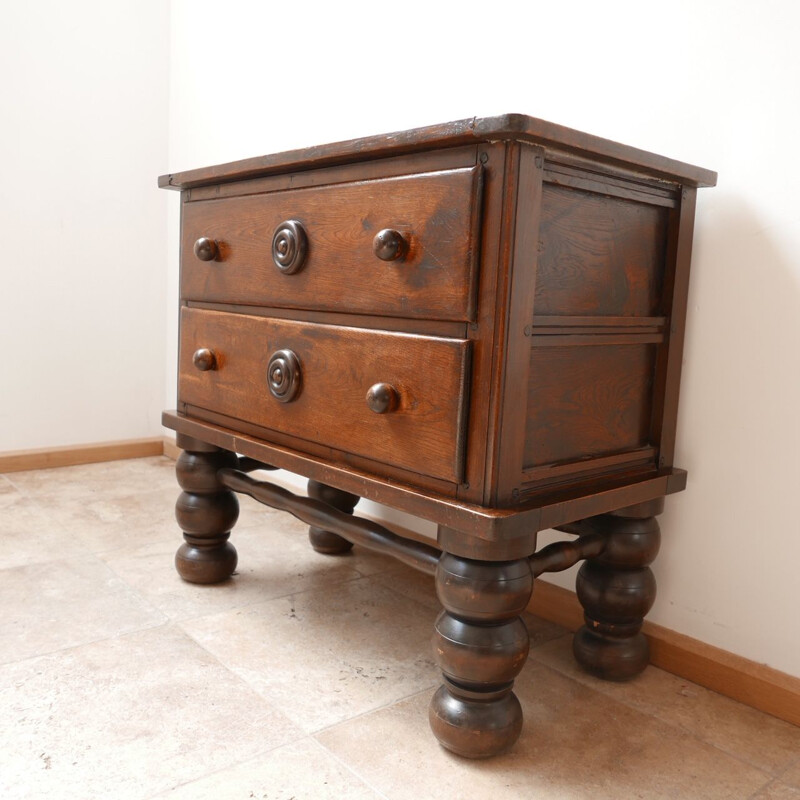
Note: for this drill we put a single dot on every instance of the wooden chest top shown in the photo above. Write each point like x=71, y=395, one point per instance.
x=488, y=313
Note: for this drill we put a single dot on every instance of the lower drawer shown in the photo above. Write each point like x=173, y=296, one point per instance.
x=392, y=397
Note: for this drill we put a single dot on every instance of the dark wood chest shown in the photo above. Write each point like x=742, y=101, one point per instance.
x=480, y=323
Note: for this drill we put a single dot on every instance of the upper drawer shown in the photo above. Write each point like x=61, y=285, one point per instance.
x=436, y=214
x=312, y=381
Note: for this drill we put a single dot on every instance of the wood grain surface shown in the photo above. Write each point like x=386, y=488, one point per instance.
x=438, y=214
x=599, y=255
x=587, y=400
x=514, y=127
x=338, y=366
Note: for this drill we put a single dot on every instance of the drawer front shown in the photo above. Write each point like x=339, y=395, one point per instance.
x=436, y=214
x=337, y=367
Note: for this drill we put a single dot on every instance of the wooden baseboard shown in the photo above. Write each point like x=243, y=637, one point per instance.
x=171, y=450
x=71, y=455
x=739, y=678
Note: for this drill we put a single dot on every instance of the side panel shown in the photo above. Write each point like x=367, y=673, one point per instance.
x=598, y=328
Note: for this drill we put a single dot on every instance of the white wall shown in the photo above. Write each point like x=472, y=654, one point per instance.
x=84, y=233
x=84, y=98
x=712, y=83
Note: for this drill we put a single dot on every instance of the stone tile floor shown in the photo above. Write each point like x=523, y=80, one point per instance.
x=305, y=676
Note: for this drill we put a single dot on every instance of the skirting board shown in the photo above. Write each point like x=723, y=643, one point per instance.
x=736, y=677
x=750, y=683
x=72, y=455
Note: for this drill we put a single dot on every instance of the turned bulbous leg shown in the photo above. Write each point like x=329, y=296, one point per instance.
x=206, y=512
x=616, y=590
x=481, y=644
x=326, y=541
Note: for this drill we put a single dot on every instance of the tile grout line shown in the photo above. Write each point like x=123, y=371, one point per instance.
x=56, y=651
x=310, y=589
x=350, y=769
x=232, y=765
x=757, y=793
x=674, y=726
x=432, y=688
x=248, y=605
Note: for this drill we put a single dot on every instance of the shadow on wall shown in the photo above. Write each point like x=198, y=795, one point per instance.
x=738, y=435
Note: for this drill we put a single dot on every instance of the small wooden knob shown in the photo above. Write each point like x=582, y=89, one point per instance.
x=204, y=359
x=206, y=249
x=382, y=398
x=283, y=375
x=389, y=245
x=289, y=246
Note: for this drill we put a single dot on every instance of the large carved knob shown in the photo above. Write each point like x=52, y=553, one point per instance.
x=382, y=398
x=206, y=249
x=389, y=245
x=204, y=359
x=289, y=246
x=283, y=375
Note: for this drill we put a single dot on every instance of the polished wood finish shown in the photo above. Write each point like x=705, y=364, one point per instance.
x=206, y=249
x=284, y=376
x=328, y=233
x=547, y=508
x=290, y=246
x=389, y=245
x=321, y=513
x=324, y=541
x=204, y=359
x=587, y=400
x=617, y=589
x=382, y=398
x=480, y=644
x=206, y=512
x=338, y=366
x=512, y=127
x=599, y=255
x=480, y=323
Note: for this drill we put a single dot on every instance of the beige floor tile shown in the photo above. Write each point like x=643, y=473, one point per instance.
x=47, y=607
x=792, y=775
x=8, y=492
x=127, y=718
x=576, y=743
x=777, y=790
x=410, y=583
x=764, y=741
x=31, y=536
x=299, y=771
x=326, y=655
x=104, y=523
x=370, y=562
x=275, y=559
x=106, y=479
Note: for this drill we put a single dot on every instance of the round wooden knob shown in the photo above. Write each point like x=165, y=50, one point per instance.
x=389, y=245
x=206, y=249
x=204, y=359
x=382, y=398
x=283, y=375
x=289, y=246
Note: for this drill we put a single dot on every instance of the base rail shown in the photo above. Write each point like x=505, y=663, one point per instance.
x=374, y=536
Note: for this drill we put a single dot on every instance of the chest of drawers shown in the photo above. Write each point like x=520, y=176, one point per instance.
x=480, y=323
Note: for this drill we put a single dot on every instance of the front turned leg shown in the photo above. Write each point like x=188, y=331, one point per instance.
x=206, y=512
x=616, y=590
x=326, y=541
x=481, y=643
